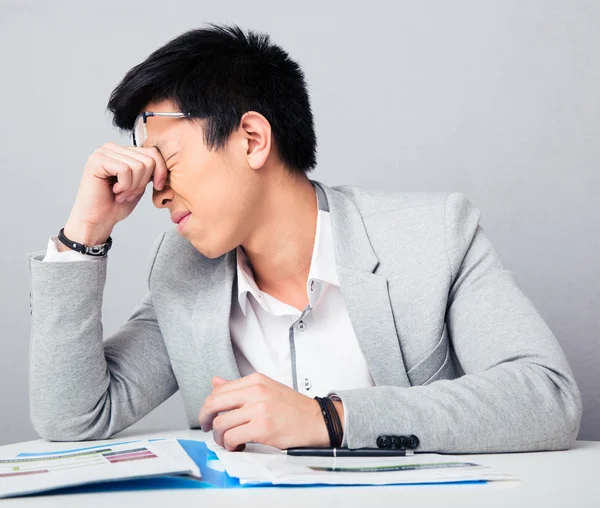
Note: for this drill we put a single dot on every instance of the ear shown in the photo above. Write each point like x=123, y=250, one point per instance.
x=257, y=131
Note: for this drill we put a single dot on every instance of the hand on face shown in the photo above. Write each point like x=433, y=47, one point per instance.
x=257, y=409
x=114, y=179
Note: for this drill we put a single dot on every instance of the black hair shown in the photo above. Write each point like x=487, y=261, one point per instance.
x=218, y=73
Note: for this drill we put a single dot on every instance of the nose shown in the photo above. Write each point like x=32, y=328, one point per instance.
x=161, y=198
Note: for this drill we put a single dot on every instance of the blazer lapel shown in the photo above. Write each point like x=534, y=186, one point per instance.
x=365, y=293
x=211, y=318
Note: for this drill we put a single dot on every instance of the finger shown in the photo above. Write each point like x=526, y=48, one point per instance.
x=216, y=403
x=160, y=168
x=156, y=166
x=218, y=381
x=228, y=420
x=106, y=167
x=113, y=166
x=242, y=383
x=124, y=180
x=235, y=439
x=141, y=166
x=151, y=156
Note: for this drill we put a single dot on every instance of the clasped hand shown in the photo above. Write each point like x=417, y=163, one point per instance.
x=257, y=409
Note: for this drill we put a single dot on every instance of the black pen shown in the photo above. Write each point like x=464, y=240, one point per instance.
x=346, y=452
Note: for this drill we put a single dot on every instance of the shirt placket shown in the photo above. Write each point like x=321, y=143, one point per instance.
x=313, y=294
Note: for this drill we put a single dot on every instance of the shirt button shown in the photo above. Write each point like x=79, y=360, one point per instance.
x=307, y=383
x=312, y=285
x=301, y=326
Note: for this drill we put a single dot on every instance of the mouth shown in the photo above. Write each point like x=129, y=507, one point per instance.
x=181, y=223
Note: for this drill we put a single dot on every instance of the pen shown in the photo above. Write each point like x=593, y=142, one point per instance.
x=345, y=452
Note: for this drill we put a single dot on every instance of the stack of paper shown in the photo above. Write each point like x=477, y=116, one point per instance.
x=174, y=461
x=265, y=465
x=140, y=459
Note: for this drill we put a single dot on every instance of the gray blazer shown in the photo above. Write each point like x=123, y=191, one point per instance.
x=460, y=357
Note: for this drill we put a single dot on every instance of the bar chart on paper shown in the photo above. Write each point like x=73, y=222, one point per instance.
x=40, y=465
x=32, y=473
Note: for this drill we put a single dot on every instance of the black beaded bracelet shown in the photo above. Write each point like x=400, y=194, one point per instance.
x=332, y=421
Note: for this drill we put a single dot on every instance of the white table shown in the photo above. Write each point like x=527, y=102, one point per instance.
x=548, y=479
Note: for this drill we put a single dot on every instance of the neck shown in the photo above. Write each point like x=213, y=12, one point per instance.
x=280, y=247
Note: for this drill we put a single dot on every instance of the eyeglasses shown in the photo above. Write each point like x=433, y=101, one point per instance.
x=139, y=133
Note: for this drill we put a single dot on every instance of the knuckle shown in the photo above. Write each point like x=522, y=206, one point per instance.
x=138, y=166
x=263, y=407
x=228, y=440
x=151, y=152
x=150, y=162
x=146, y=160
x=209, y=402
x=259, y=390
x=122, y=168
x=267, y=426
x=96, y=156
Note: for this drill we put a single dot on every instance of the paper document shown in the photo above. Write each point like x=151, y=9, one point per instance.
x=261, y=464
x=38, y=473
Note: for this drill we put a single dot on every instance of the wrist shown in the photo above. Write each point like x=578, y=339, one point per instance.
x=339, y=406
x=332, y=428
x=84, y=233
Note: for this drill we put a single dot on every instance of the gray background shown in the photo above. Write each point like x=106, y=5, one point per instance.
x=498, y=100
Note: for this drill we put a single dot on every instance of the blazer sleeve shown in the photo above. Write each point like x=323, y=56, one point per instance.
x=517, y=392
x=81, y=386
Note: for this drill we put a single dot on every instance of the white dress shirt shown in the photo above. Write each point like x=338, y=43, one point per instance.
x=327, y=354
x=315, y=350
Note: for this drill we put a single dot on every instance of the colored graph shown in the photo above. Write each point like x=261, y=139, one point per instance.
x=39, y=465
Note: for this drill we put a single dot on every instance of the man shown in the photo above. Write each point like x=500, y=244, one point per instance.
x=393, y=309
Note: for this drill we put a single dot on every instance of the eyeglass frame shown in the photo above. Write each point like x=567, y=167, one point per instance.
x=146, y=114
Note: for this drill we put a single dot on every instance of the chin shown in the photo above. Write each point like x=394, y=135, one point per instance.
x=208, y=251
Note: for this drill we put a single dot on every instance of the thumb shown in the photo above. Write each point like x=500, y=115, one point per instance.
x=218, y=381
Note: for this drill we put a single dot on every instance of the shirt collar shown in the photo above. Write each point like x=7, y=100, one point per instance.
x=322, y=264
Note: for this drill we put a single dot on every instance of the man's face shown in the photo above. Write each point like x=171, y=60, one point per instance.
x=218, y=188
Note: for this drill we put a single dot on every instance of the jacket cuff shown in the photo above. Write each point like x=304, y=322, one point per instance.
x=54, y=255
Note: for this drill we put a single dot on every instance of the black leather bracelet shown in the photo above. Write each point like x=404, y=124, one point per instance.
x=95, y=250
x=327, y=420
x=338, y=430
x=332, y=421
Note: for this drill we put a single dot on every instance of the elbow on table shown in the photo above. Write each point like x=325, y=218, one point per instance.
x=565, y=422
x=62, y=428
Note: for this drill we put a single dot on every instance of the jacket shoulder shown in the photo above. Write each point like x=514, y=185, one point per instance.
x=374, y=201
x=435, y=221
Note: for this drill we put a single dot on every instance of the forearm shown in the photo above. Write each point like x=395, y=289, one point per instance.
x=68, y=376
x=82, y=387
x=512, y=407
